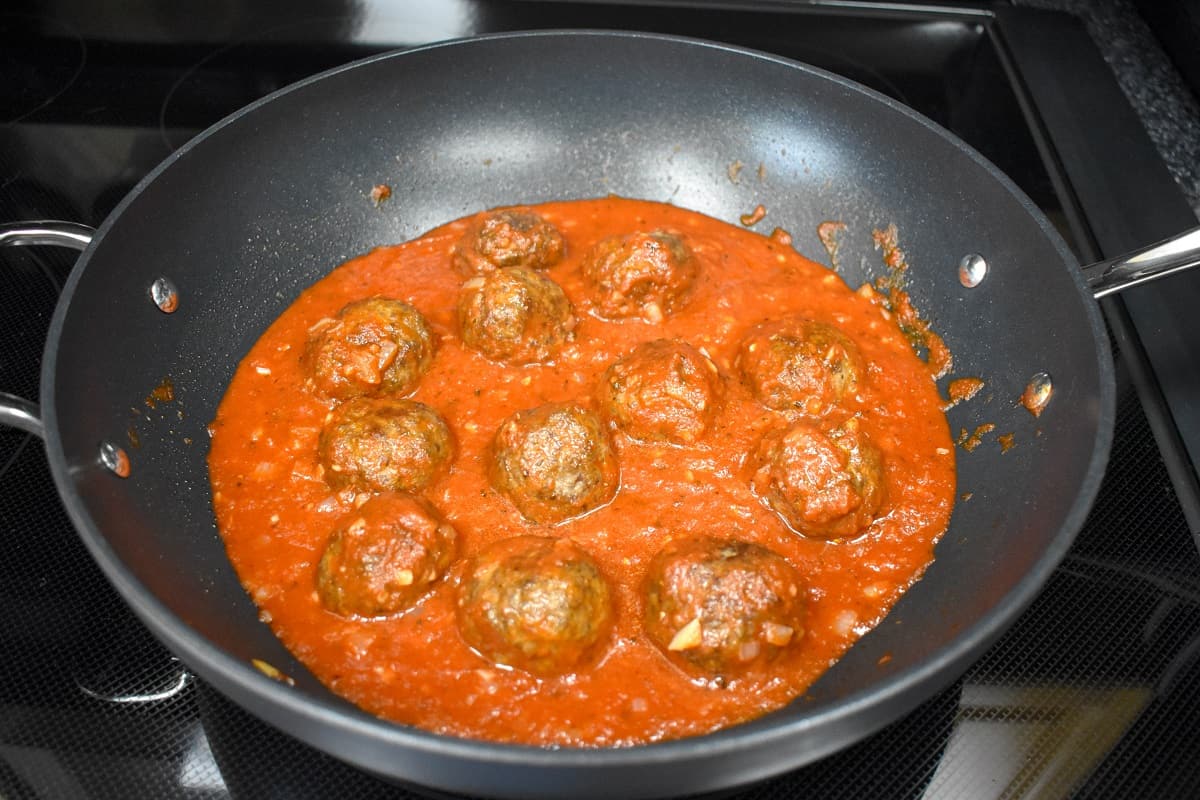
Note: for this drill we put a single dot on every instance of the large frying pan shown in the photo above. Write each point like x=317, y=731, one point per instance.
x=258, y=207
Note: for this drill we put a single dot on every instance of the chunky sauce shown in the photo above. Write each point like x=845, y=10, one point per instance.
x=276, y=513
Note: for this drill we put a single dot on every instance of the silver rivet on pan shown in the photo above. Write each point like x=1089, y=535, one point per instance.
x=1037, y=393
x=114, y=459
x=972, y=270
x=165, y=295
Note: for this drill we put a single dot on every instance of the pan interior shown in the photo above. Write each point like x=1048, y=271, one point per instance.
x=259, y=207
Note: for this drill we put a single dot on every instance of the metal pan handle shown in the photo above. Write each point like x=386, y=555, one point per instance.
x=17, y=412
x=1149, y=263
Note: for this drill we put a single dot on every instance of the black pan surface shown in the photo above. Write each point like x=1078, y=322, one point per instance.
x=267, y=201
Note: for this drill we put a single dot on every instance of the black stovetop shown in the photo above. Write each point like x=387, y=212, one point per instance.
x=1094, y=692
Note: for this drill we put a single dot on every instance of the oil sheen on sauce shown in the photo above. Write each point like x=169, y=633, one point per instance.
x=276, y=513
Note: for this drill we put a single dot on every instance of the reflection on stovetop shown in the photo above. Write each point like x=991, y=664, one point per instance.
x=1094, y=692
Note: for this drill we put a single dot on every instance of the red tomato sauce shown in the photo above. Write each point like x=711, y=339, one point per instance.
x=276, y=512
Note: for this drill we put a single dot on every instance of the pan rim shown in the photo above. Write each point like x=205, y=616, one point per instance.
x=907, y=687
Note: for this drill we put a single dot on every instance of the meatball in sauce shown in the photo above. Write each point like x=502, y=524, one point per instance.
x=385, y=556
x=376, y=344
x=384, y=444
x=664, y=390
x=554, y=462
x=535, y=603
x=824, y=484
x=515, y=315
x=508, y=238
x=800, y=365
x=645, y=275
x=722, y=606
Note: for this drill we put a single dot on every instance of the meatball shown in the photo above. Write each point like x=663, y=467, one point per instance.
x=722, y=606
x=664, y=390
x=508, y=238
x=824, y=485
x=515, y=315
x=384, y=444
x=800, y=364
x=535, y=603
x=640, y=274
x=553, y=462
x=384, y=557
x=372, y=344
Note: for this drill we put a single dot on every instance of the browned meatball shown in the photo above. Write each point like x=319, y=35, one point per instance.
x=553, y=462
x=664, y=390
x=372, y=344
x=535, y=603
x=384, y=556
x=508, y=238
x=385, y=444
x=722, y=606
x=642, y=275
x=800, y=364
x=824, y=485
x=515, y=315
